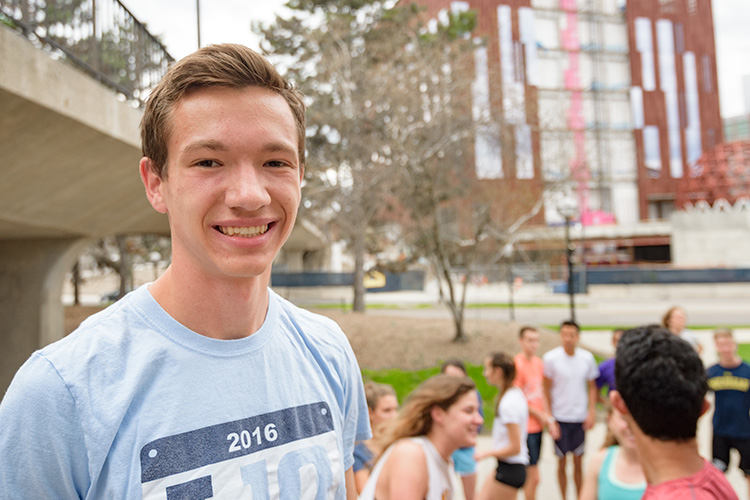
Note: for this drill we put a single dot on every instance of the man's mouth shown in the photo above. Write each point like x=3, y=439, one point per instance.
x=242, y=231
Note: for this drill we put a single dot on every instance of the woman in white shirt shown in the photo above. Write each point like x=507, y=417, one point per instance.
x=509, y=431
x=440, y=416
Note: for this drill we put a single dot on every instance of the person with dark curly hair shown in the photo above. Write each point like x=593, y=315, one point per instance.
x=661, y=389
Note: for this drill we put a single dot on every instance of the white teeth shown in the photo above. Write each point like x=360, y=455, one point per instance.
x=243, y=231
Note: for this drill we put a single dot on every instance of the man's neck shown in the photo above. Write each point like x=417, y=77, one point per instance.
x=664, y=461
x=528, y=356
x=221, y=309
x=570, y=352
x=730, y=361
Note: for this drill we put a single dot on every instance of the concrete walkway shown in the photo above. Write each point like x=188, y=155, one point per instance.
x=548, y=487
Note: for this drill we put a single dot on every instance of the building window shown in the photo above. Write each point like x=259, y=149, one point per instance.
x=652, y=150
x=660, y=209
x=679, y=38
x=707, y=74
x=667, y=6
x=692, y=6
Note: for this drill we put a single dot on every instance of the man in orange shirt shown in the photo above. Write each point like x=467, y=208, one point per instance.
x=529, y=378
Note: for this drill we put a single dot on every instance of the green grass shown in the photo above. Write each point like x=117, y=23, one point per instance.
x=744, y=351
x=404, y=382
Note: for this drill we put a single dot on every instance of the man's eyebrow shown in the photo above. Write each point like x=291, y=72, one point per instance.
x=207, y=144
x=280, y=147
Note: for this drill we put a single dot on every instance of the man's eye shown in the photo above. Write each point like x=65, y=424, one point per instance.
x=207, y=163
x=277, y=163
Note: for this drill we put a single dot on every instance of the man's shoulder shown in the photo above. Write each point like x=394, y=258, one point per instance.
x=716, y=370
x=607, y=363
x=713, y=369
x=304, y=316
x=706, y=484
x=583, y=353
x=100, y=330
x=553, y=353
x=315, y=329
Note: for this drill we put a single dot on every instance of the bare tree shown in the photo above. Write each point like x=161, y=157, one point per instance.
x=346, y=56
x=392, y=128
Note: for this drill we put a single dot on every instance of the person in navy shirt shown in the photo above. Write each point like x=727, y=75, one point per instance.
x=729, y=379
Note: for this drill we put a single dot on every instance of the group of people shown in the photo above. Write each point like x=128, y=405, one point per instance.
x=653, y=390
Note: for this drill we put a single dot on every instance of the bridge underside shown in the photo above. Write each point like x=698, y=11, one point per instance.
x=69, y=174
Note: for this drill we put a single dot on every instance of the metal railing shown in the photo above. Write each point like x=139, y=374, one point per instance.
x=101, y=37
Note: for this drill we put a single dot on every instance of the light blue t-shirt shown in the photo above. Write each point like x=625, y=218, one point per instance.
x=135, y=405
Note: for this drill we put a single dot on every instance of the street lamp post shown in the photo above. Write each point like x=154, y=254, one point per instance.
x=568, y=208
x=569, y=248
x=198, y=20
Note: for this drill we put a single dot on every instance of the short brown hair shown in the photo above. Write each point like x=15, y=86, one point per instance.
x=375, y=391
x=223, y=65
x=723, y=333
x=525, y=329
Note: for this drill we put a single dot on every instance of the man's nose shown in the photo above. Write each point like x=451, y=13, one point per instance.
x=247, y=188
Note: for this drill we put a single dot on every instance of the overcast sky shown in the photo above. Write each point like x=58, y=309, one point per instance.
x=229, y=21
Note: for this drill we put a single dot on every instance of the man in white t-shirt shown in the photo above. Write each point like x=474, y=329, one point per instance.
x=570, y=396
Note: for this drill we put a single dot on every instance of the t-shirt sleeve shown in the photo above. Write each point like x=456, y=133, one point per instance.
x=593, y=368
x=356, y=416
x=512, y=410
x=40, y=429
x=549, y=366
x=362, y=457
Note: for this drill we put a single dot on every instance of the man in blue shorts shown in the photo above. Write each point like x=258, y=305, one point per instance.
x=729, y=379
x=570, y=397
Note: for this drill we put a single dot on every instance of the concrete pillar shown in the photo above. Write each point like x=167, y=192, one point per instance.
x=32, y=273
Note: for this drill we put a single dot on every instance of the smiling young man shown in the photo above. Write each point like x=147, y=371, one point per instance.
x=205, y=383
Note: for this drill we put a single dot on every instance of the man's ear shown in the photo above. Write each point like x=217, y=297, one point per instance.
x=616, y=400
x=705, y=407
x=153, y=184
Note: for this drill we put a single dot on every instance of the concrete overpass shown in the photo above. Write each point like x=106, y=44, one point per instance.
x=69, y=174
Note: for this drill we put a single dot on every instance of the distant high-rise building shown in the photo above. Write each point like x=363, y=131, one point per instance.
x=613, y=99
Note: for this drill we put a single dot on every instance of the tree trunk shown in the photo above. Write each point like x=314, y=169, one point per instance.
x=125, y=268
x=458, y=314
x=456, y=308
x=76, y=284
x=359, y=272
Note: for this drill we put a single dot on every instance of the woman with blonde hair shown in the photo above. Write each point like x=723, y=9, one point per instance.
x=509, y=431
x=675, y=320
x=440, y=416
x=383, y=407
x=615, y=472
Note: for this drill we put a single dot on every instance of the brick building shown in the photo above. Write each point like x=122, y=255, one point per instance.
x=607, y=100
